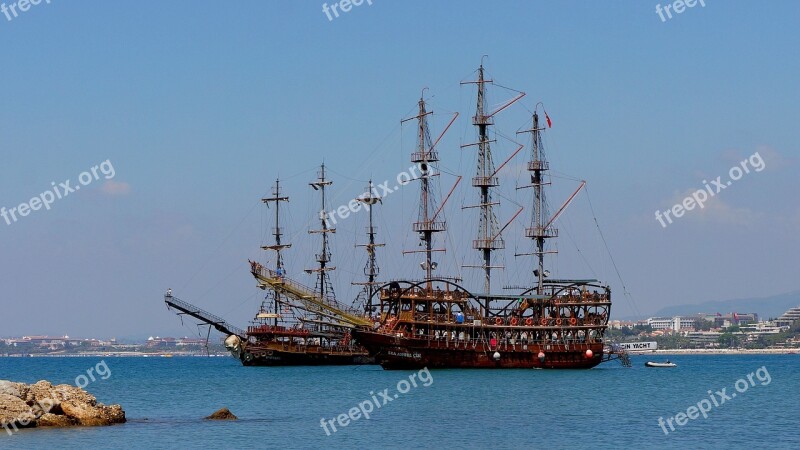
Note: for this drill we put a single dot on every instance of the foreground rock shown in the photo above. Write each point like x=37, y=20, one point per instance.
x=14, y=410
x=43, y=405
x=222, y=414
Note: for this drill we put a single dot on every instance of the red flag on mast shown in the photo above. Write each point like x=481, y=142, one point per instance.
x=549, y=122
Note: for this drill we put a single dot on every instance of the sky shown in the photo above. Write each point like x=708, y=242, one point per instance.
x=189, y=111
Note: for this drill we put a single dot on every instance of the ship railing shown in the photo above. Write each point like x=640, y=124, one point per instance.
x=575, y=292
x=519, y=343
x=485, y=181
x=581, y=299
x=482, y=120
x=538, y=165
x=494, y=244
x=429, y=226
x=418, y=157
x=472, y=319
x=439, y=295
x=217, y=322
x=306, y=295
x=544, y=232
x=279, y=330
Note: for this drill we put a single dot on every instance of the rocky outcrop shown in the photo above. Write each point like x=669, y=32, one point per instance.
x=44, y=405
x=56, y=421
x=222, y=414
x=89, y=415
x=19, y=390
x=15, y=412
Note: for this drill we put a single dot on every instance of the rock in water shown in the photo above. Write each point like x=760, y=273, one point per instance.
x=44, y=405
x=19, y=390
x=222, y=414
x=56, y=421
x=89, y=415
x=15, y=413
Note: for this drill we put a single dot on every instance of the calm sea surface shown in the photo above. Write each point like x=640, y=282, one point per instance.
x=607, y=407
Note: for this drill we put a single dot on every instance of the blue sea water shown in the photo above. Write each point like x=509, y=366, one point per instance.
x=607, y=407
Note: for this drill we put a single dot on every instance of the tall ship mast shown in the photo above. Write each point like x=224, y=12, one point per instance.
x=371, y=269
x=429, y=220
x=277, y=247
x=323, y=287
x=540, y=229
x=438, y=323
x=489, y=238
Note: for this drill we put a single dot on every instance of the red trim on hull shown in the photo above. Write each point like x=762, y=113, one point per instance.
x=394, y=352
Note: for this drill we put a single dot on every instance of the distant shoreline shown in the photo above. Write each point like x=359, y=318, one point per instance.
x=714, y=351
x=119, y=354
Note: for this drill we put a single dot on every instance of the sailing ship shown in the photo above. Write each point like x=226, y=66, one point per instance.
x=300, y=326
x=438, y=323
x=433, y=322
x=297, y=325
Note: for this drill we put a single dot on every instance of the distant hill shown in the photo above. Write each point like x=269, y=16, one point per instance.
x=765, y=307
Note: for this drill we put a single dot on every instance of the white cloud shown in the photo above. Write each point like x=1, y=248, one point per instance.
x=112, y=187
x=718, y=211
x=772, y=159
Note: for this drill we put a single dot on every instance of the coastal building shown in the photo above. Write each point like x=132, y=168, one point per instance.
x=659, y=323
x=727, y=320
x=760, y=329
x=170, y=342
x=188, y=342
x=620, y=324
x=788, y=318
x=159, y=342
x=45, y=342
x=704, y=338
x=55, y=343
x=676, y=323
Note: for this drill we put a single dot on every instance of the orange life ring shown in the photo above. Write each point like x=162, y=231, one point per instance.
x=514, y=321
x=544, y=322
x=498, y=321
x=558, y=321
x=528, y=321
x=573, y=321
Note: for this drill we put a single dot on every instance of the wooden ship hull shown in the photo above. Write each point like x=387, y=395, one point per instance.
x=438, y=324
x=279, y=346
x=269, y=355
x=393, y=352
x=266, y=345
